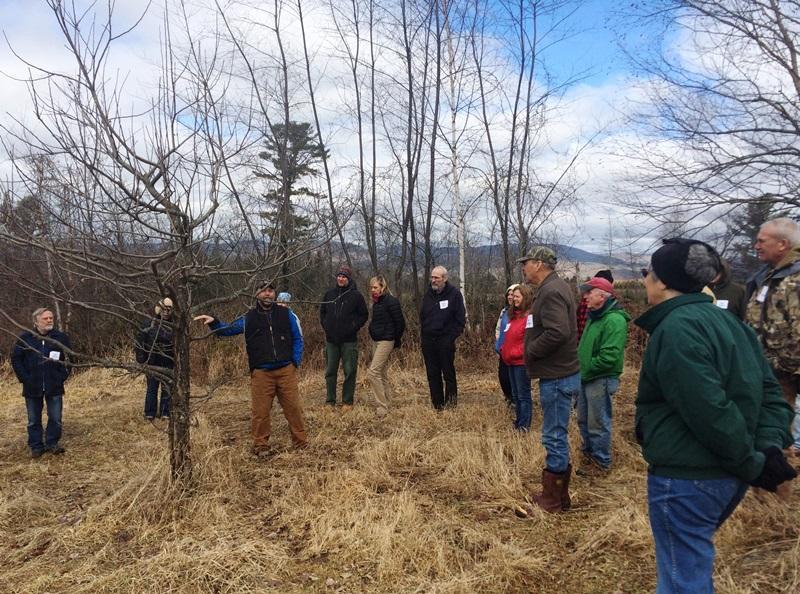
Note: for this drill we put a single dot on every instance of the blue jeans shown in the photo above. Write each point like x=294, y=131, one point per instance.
x=556, y=396
x=151, y=408
x=521, y=392
x=594, y=418
x=684, y=515
x=53, y=432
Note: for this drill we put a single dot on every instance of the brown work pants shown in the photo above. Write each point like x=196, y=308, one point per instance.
x=264, y=386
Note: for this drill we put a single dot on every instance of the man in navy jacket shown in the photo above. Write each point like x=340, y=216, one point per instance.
x=442, y=318
x=38, y=360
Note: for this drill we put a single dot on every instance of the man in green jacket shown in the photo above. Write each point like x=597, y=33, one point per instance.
x=600, y=353
x=709, y=415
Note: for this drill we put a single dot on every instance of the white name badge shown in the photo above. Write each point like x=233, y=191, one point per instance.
x=55, y=355
x=443, y=304
x=507, y=327
x=529, y=321
x=762, y=294
x=722, y=303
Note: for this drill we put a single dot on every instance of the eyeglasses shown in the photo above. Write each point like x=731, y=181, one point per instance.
x=645, y=272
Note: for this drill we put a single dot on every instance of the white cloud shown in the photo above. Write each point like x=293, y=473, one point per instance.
x=582, y=112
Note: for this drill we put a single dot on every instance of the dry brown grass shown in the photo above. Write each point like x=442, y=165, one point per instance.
x=417, y=502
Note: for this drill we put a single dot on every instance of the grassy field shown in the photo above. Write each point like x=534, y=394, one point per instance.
x=415, y=502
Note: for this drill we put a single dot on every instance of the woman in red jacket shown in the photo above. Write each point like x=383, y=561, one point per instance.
x=513, y=354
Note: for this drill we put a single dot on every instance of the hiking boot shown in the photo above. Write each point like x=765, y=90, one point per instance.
x=36, y=453
x=262, y=451
x=591, y=468
x=56, y=450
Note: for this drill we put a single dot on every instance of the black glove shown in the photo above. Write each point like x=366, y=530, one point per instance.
x=776, y=470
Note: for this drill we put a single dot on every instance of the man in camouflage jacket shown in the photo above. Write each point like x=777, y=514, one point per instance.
x=773, y=307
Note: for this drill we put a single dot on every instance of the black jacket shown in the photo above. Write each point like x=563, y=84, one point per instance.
x=154, y=344
x=442, y=314
x=39, y=363
x=729, y=294
x=342, y=313
x=387, y=321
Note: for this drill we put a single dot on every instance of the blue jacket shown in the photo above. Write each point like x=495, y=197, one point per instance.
x=502, y=322
x=237, y=327
x=39, y=363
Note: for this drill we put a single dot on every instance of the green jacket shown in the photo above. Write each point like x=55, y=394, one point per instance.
x=708, y=401
x=602, y=347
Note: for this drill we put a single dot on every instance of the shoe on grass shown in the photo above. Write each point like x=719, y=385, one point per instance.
x=56, y=450
x=591, y=468
x=36, y=453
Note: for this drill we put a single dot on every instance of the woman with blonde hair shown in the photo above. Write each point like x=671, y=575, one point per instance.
x=386, y=330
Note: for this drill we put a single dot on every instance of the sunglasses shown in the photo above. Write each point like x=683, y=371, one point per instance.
x=645, y=272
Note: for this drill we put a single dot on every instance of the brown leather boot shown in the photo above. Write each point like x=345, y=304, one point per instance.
x=553, y=488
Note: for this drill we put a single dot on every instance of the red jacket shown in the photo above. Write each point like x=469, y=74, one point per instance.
x=513, y=350
x=582, y=314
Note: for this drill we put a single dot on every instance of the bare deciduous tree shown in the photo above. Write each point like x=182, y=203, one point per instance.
x=141, y=188
x=721, y=121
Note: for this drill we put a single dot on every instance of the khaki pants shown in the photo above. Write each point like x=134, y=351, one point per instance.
x=376, y=374
x=264, y=386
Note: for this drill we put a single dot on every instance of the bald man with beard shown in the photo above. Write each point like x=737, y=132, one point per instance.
x=442, y=318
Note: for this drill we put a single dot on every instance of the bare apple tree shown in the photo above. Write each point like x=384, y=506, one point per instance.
x=142, y=194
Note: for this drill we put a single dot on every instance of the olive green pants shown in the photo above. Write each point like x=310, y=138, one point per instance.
x=347, y=353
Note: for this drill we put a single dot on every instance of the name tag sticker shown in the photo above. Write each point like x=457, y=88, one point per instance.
x=444, y=304
x=722, y=303
x=529, y=321
x=762, y=294
x=507, y=327
x=55, y=355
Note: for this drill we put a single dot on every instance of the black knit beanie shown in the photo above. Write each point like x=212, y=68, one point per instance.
x=606, y=274
x=669, y=264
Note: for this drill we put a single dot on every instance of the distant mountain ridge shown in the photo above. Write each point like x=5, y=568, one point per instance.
x=564, y=252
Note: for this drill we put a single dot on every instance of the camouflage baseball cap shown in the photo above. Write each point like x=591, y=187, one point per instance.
x=541, y=253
